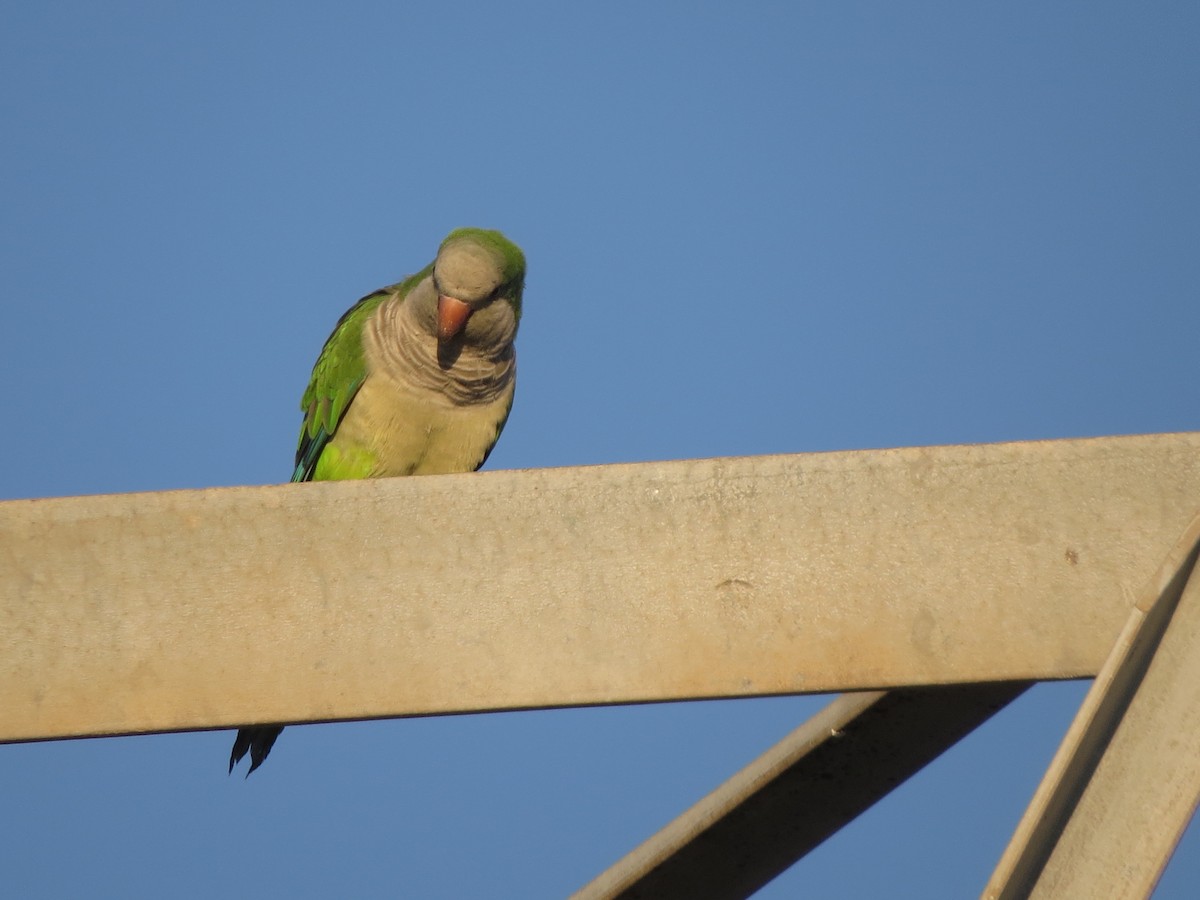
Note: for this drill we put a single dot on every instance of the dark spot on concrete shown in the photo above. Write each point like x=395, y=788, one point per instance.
x=734, y=584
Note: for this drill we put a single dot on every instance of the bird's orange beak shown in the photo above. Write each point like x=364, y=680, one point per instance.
x=452, y=317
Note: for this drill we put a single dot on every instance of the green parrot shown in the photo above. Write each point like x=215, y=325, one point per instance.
x=416, y=379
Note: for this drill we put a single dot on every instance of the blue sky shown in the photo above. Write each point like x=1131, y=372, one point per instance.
x=751, y=229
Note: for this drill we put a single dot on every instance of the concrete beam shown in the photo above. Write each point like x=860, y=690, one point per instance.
x=567, y=587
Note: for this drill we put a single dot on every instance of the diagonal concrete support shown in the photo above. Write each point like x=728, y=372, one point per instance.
x=798, y=793
x=1124, y=783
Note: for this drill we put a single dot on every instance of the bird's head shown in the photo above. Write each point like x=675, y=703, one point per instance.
x=479, y=276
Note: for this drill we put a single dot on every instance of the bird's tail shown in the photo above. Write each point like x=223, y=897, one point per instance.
x=258, y=740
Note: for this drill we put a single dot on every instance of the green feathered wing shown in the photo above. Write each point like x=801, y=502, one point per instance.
x=338, y=374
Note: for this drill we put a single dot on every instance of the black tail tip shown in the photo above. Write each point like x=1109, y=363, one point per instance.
x=257, y=740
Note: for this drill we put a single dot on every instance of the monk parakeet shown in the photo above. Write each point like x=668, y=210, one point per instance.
x=416, y=379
